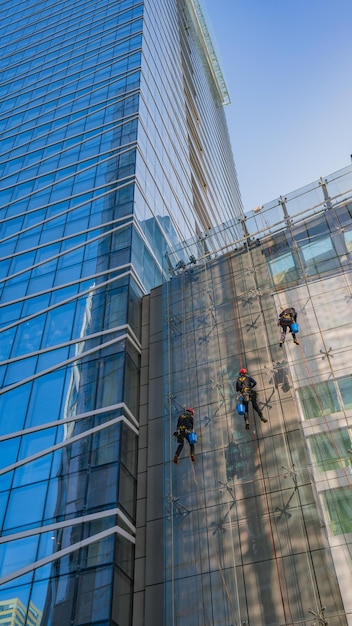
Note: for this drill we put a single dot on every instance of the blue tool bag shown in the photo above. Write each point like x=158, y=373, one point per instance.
x=192, y=438
x=241, y=409
x=294, y=327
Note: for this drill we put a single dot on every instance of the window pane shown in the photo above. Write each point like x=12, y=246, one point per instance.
x=345, y=388
x=17, y=554
x=330, y=451
x=339, y=506
x=283, y=269
x=22, y=500
x=319, y=400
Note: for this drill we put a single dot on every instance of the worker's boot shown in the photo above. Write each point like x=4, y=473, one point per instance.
x=296, y=342
x=175, y=459
x=193, y=458
x=263, y=419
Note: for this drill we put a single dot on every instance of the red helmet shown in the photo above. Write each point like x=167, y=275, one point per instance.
x=243, y=370
x=190, y=411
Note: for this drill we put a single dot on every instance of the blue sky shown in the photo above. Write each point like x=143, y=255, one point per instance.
x=287, y=66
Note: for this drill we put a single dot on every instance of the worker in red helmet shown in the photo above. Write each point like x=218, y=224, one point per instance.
x=185, y=423
x=245, y=387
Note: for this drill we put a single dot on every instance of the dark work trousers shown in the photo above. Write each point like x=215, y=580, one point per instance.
x=284, y=327
x=252, y=397
x=182, y=435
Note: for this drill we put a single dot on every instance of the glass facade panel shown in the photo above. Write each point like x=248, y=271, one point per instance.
x=345, y=389
x=45, y=394
x=283, y=269
x=32, y=472
x=319, y=256
x=339, y=508
x=266, y=498
x=16, y=406
x=330, y=451
x=20, y=499
x=98, y=163
x=319, y=399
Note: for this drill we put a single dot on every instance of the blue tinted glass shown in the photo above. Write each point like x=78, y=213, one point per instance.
x=4, y=265
x=20, y=370
x=28, y=336
x=17, y=554
x=59, y=324
x=10, y=313
x=53, y=358
x=13, y=409
x=52, y=496
x=16, y=288
x=35, y=305
x=3, y=502
x=45, y=401
x=9, y=451
x=21, y=499
x=68, y=274
x=35, y=470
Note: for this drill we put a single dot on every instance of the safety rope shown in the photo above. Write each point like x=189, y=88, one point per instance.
x=169, y=449
x=279, y=575
x=210, y=309
x=222, y=405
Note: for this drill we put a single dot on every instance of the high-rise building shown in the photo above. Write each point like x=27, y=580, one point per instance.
x=114, y=149
x=131, y=287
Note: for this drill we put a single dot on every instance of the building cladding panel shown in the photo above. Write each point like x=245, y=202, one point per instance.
x=114, y=148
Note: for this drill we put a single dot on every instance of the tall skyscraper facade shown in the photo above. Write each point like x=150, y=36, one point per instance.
x=114, y=148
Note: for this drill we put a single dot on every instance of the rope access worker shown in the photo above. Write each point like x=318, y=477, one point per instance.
x=184, y=427
x=245, y=386
x=286, y=318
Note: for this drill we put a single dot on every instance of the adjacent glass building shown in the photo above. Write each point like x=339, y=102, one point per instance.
x=258, y=530
x=114, y=149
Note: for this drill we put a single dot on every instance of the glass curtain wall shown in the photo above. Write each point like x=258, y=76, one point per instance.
x=114, y=147
x=185, y=169
x=70, y=308
x=259, y=528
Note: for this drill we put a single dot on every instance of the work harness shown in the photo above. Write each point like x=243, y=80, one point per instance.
x=244, y=391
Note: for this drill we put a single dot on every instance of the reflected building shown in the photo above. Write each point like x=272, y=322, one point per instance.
x=14, y=613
